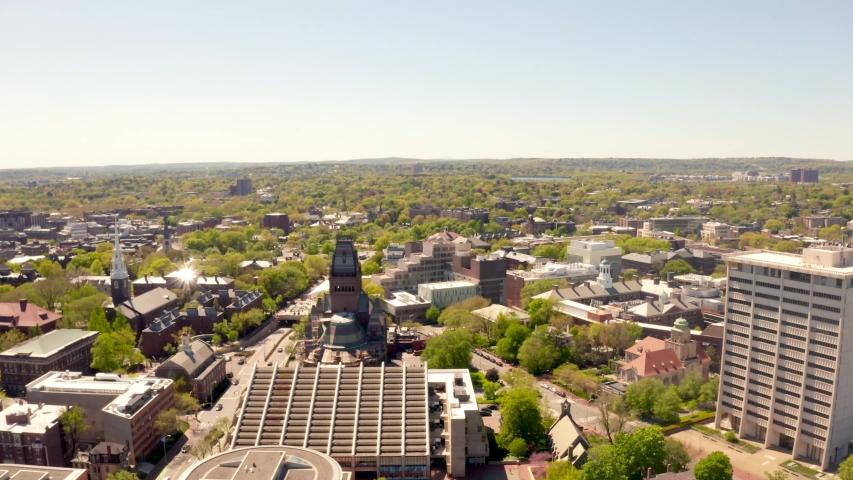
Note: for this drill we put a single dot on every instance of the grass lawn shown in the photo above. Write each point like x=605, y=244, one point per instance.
x=716, y=433
x=799, y=468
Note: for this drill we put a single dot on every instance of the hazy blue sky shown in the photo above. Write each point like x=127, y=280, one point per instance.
x=109, y=82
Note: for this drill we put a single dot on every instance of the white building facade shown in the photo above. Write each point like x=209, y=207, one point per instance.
x=787, y=373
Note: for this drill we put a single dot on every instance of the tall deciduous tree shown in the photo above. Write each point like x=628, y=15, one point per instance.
x=73, y=422
x=511, y=342
x=521, y=417
x=451, y=349
x=538, y=353
x=641, y=395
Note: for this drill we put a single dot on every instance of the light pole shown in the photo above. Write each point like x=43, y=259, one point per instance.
x=165, y=453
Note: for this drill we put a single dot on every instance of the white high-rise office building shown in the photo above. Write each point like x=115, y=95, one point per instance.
x=787, y=373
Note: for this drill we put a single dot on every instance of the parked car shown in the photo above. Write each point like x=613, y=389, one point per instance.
x=498, y=363
x=269, y=364
x=229, y=375
x=218, y=407
x=493, y=406
x=236, y=381
x=486, y=412
x=241, y=361
x=185, y=449
x=280, y=349
x=545, y=386
x=561, y=393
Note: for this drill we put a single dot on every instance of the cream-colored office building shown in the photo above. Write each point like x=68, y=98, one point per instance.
x=787, y=371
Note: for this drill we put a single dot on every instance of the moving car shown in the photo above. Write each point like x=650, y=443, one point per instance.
x=241, y=362
x=236, y=381
x=269, y=364
x=218, y=407
x=185, y=449
x=280, y=349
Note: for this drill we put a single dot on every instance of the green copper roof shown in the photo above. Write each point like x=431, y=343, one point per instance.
x=681, y=325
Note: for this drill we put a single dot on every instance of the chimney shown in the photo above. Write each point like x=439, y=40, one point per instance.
x=23, y=304
x=185, y=342
x=162, y=273
x=670, y=277
x=146, y=278
x=622, y=279
x=649, y=473
x=676, y=296
x=657, y=280
x=586, y=284
x=670, y=284
x=555, y=287
x=216, y=278
x=650, y=300
x=110, y=451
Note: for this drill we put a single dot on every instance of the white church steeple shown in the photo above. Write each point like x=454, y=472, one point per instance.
x=119, y=279
x=604, y=277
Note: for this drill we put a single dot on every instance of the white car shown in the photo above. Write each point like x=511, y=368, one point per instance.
x=545, y=386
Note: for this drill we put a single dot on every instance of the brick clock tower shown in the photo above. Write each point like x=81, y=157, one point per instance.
x=345, y=278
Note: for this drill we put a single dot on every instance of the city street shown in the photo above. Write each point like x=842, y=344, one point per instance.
x=231, y=399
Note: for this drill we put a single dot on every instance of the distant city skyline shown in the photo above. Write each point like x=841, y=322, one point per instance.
x=117, y=83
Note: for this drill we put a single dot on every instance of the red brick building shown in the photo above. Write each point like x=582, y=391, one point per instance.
x=31, y=435
x=198, y=365
x=64, y=349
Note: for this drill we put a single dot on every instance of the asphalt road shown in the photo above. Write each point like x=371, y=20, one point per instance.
x=231, y=399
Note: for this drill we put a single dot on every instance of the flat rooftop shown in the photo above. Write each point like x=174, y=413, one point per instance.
x=823, y=259
x=443, y=285
x=404, y=299
x=48, y=344
x=267, y=463
x=133, y=392
x=38, y=419
x=33, y=472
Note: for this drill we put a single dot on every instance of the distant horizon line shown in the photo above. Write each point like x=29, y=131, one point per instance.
x=410, y=160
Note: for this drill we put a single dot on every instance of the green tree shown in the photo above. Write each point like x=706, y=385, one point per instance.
x=678, y=266
x=691, y=385
x=433, y=313
x=644, y=448
x=522, y=418
x=563, y=470
x=122, y=475
x=10, y=338
x=641, y=395
x=116, y=349
x=98, y=321
x=845, y=470
x=708, y=392
x=518, y=448
x=317, y=266
x=74, y=425
x=490, y=390
x=451, y=349
x=667, y=406
x=540, y=312
x=715, y=466
x=493, y=375
x=167, y=422
x=774, y=225
x=369, y=268
x=677, y=455
x=537, y=353
x=514, y=337
x=186, y=403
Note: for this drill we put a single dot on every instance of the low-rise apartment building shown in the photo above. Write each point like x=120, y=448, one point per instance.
x=63, y=349
x=404, y=306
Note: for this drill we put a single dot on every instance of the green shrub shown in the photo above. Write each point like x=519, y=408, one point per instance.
x=730, y=436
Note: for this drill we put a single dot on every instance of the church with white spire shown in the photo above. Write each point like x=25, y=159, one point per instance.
x=119, y=278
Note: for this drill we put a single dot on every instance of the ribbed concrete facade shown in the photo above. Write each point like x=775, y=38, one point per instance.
x=787, y=373
x=371, y=419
